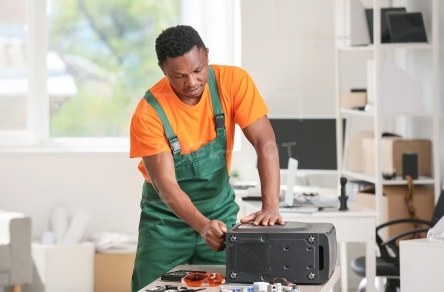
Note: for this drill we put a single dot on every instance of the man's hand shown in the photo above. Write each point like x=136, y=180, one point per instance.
x=264, y=217
x=213, y=234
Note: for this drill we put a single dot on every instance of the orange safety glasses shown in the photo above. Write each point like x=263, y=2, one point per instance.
x=197, y=279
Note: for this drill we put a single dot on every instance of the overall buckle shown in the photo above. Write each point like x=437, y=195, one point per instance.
x=174, y=145
x=220, y=121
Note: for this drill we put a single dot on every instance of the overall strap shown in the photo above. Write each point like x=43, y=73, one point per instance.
x=219, y=117
x=172, y=138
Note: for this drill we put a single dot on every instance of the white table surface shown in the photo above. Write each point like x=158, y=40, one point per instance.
x=358, y=224
x=327, y=286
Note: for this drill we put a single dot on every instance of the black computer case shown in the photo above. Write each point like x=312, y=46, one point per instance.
x=301, y=252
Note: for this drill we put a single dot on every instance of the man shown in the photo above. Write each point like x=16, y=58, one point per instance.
x=183, y=129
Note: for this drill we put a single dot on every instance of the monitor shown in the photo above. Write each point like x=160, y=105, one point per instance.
x=309, y=140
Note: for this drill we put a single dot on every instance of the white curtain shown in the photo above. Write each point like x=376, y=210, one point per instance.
x=218, y=23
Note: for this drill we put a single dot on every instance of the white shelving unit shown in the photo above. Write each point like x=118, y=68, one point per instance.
x=408, y=56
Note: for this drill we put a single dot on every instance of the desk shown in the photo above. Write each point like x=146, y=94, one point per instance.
x=328, y=193
x=358, y=224
x=328, y=286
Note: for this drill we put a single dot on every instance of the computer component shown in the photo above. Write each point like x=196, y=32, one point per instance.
x=301, y=252
x=176, y=276
x=252, y=198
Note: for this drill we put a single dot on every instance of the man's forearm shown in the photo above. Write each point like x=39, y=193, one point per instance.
x=182, y=206
x=269, y=174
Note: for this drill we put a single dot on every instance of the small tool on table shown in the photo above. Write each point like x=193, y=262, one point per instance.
x=343, y=198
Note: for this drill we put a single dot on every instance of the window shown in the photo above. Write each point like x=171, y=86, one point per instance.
x=13, y=67
x=77, y=69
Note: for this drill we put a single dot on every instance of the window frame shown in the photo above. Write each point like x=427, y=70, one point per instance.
x=37, y=97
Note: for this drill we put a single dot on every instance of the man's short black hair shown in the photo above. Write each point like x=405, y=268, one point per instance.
x=176, y=41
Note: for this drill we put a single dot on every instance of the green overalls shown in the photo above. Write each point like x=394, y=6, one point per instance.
x=165, y=240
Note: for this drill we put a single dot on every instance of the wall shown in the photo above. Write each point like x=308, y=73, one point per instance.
x=288, y=49
x=106, y=185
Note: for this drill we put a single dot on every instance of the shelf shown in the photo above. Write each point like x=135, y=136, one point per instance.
x=422, y=180
x=352, y=112
x=412, y=114
x=402, y=82
x=389, y=46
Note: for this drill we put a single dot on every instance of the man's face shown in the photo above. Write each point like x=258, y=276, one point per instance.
x=188, y=74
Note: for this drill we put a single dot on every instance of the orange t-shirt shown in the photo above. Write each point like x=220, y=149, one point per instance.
x=194, y=125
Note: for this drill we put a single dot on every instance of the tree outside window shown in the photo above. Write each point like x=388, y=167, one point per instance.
x=101, y=60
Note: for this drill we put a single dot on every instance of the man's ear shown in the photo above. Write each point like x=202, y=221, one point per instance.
x=161, y=68
x=206, y=55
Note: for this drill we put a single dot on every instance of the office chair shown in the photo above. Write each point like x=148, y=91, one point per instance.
x=387, y=264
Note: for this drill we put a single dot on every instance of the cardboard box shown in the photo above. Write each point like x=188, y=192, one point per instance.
x=393, y=205
x=350, y=100
x=392, y=149
x=355, y=151
x=113, y=272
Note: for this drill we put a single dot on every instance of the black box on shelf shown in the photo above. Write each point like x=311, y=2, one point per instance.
x=385, y=32
x=410, y=165
x=406, y=27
